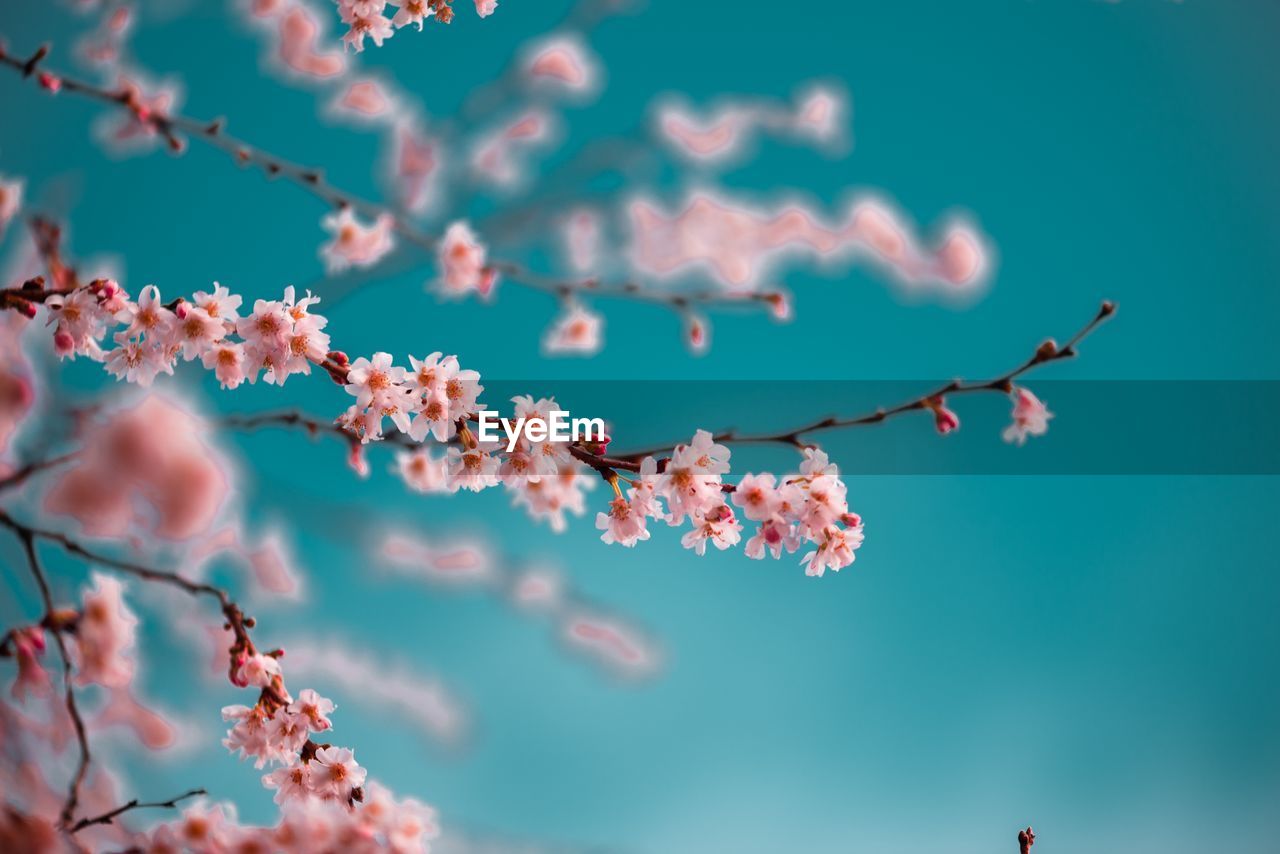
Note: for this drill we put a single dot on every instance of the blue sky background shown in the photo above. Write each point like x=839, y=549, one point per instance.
x=1093, y=654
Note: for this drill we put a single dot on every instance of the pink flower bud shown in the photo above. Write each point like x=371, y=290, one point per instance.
x=63, y=342
x=943, y=418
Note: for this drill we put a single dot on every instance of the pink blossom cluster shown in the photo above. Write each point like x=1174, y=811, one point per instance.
x=277, y=730
x=435, y=397
x=805, y=508
x=368, y=18
x=277, y=339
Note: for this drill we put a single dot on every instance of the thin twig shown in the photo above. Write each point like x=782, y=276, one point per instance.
x=20, y=475
x=110, y=816
x=1044, y=354
x=27, y=538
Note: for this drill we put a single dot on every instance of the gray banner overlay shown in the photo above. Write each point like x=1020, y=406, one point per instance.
x=1164, y=427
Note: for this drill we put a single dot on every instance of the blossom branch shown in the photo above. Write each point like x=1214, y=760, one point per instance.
x=437, y=399
x=173, y=127
x=236, y=621
x=110, y=816
x=276, y=728
x=1047, y=352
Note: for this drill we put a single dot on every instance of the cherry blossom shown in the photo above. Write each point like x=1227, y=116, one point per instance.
x=944, y=419
x=336, y=773
x=622, y=524
x=227, y=361
x=313, y=709
x=717, y=526
x=10, y=201
x=355, y=244
x=1030, y=417
x=422, y=472
x=835, y=549
x=259, y=670
x=412, y=12
x=462, y=263
x=28, y=647
x=298, y=43
x=105, y=635
x=564, y=62
x=577, y=331
x=365, y=19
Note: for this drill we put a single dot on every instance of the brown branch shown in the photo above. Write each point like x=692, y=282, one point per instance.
x=27, y=538
x=1047, y=352
x=110, y=816
x=173, y=127
x=20, y=475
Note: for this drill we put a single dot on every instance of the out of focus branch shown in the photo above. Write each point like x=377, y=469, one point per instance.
x=174, y=128
x=236, y=621
x=27, y=538
x=110, y=816
x=24, y=472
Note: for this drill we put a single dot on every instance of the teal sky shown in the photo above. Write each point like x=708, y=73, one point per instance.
x=1093, y=654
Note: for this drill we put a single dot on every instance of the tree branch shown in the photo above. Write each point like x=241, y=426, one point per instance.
x=20, y=475
x=110, y=816
x=173, y=127
x=27, y=538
